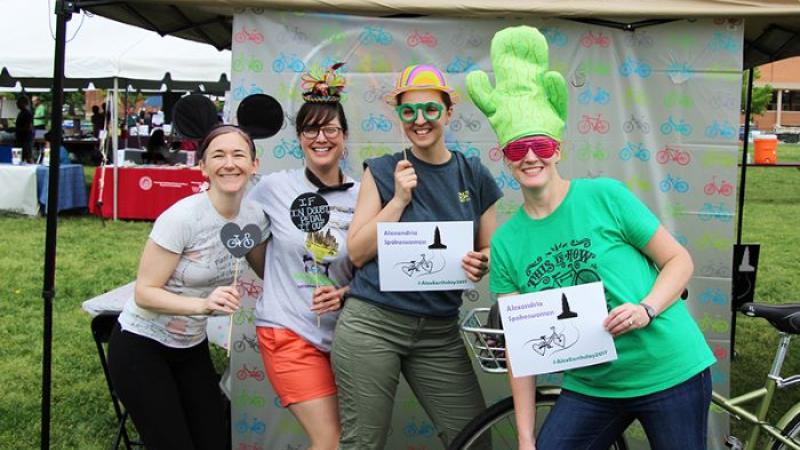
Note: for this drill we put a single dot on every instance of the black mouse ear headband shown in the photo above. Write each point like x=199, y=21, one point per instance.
x=260, y=115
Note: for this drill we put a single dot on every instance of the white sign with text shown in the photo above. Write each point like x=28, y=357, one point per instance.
x=423, y=256
x=557, y=329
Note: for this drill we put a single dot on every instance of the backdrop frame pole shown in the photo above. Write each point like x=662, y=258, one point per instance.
x=748, y=104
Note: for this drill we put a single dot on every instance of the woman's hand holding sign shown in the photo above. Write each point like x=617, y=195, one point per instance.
x=224, y=299
x=475, y=265
x=327, y=299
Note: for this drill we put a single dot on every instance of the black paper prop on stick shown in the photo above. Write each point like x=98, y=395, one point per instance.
x=309, y=213
x=239, y=242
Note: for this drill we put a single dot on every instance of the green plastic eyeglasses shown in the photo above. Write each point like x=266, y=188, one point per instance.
x=408, y=112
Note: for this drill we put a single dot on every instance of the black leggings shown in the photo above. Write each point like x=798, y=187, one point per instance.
x=172, y=394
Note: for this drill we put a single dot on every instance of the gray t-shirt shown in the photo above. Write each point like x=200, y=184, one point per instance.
x=461, y=189
x=191, y=227
x=291, y=271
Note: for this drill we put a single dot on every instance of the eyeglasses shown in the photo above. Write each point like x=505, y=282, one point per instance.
x=408, y=112
x=543, y=147
x=330, y=132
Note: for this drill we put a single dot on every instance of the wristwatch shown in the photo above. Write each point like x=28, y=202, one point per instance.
x=651, y=312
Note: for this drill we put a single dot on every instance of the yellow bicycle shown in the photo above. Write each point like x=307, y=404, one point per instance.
x=482, y=331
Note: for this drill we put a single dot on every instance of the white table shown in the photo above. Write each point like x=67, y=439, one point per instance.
x=18, y=184
x=114, y=300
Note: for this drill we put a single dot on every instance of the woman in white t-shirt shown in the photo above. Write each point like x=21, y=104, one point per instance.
x=158, y=352
x=307, y=267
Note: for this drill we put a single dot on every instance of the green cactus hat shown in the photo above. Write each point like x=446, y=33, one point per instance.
x=527, y=99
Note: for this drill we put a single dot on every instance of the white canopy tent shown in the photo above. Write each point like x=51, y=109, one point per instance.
x=100, y=50
x=104, y=53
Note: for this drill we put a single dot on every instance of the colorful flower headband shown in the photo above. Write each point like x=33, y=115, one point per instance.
x=323, y=86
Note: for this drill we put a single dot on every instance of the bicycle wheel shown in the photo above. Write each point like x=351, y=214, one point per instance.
x=497, y=423
x=792, y=431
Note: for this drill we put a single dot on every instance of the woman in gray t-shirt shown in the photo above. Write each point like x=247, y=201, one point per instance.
x=158, y=353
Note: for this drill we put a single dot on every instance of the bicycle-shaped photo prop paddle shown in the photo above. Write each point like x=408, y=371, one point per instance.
x=239, y=242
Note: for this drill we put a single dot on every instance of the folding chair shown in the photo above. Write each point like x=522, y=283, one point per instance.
x=101, y=330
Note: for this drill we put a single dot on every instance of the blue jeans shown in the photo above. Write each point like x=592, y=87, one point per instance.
x=674, y=418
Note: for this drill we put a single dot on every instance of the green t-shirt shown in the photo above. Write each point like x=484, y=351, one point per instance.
x=40, y=116
x=597, y=233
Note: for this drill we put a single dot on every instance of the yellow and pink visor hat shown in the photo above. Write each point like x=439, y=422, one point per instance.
x=418, y=78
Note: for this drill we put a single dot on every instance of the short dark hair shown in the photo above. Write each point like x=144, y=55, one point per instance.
x=315, y=114
x=219, y=131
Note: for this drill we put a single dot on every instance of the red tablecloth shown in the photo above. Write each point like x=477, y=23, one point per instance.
x=144, y=192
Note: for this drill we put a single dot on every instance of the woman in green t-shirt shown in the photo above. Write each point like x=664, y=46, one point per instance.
x=571, y=232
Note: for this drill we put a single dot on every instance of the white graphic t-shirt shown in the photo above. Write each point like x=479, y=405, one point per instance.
x=297, y=262
x=191, y=227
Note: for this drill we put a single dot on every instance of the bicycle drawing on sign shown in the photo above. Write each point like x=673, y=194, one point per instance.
x=421, y=266
x=548, y=343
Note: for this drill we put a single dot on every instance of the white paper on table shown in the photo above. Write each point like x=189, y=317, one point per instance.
x=423, y=256
x=19, y=189
x=557, y=329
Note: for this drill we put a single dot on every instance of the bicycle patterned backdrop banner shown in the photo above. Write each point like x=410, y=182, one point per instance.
x=657, y=108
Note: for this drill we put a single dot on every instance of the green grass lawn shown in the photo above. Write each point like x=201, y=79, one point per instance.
x=94, y=258
x=771, y=218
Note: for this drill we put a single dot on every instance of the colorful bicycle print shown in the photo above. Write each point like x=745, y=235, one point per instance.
x=472, y=124
x=680, y=127
x=636, y=123
x=599, y=96
x=290, y=62
x=589, y=39
x=374, y=35
x=241, y=92
x=461, y=65
x=376, y=122
x=673, y=183
x=635, y=66
x=284, y=147
x=253, y=35
x=675, y=154
x=634, y=150
x=724, y=188
x=723, y=130
x=593, y=123
x=554, y=36
x=416, y=38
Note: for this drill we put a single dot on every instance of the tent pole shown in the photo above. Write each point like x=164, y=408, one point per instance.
x=63, y=12
x=743, y=176
x=114, y=142
x=748, y=104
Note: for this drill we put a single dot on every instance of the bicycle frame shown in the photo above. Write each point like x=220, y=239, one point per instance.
x=487, y=346
x=757, y=421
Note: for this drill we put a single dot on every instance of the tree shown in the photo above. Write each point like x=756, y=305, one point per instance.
x=762, y=95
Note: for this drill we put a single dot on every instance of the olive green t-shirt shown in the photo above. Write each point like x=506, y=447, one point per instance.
x=598, y=233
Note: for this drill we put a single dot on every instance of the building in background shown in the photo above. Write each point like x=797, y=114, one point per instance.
x=784, y=109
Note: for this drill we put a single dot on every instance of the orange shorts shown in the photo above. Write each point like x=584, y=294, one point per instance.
x=297, y=370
